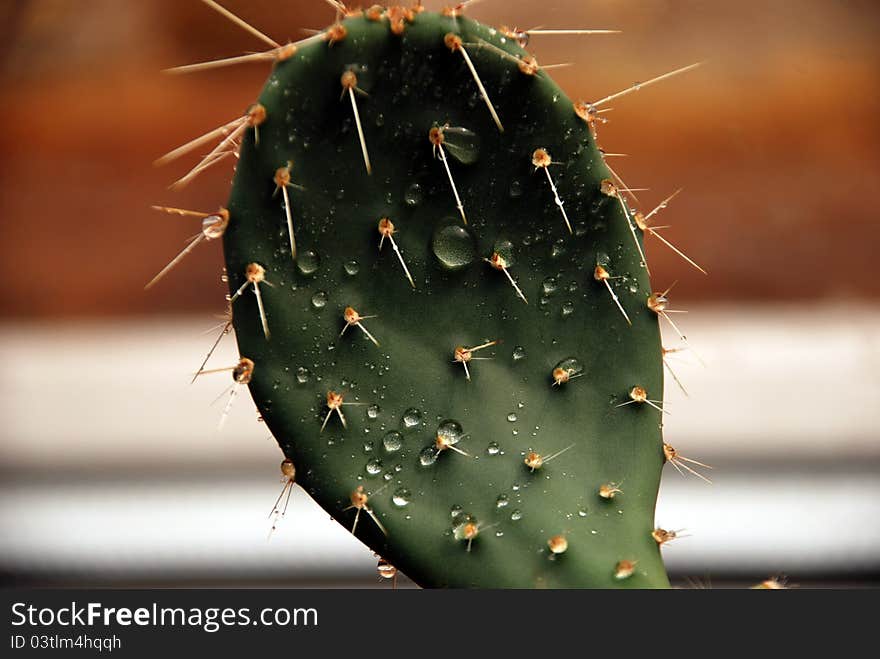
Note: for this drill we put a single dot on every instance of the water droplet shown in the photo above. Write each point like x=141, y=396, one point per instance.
x=401, y=497
x=428, y=456
x=455, y=511
x=511, y=417
x=502, y=501
x=567, y=309
x=393, y=441
x=413, y=195
x=602, y=259
x=582, y=512
x=412, y=417
x=319, y=300
x=549, y=285
x=519, y=353
x=373, y=411
x=450, y=431
x=373, y=467
x=570, y=365
x=515, y=189
x=493, y=448
x=308, y=262
x=516, y=515
x=504, y=249
x=303, y=374
x=558, y=249
x=462, y=144
x=454, y=247
x=352, y=268
x=213, y=227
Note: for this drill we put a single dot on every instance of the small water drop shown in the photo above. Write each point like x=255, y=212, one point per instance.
x=428, y=456
x=512, y=417
x=303, y=374
x=351, y=268
x=308, y=262
x=373, y=467
x=567, y=309
x=401, y=497
x=549, y=285
x=393, y=441
x=570, y=365
x=502, y=501
x=516, y=515
x=413, y=195
x=582, y=512
x=493, y=449
x=319, y=300
x=373, y=411
x=558, y=249
x=412, y=417
x=519, y=353
x=455, y=511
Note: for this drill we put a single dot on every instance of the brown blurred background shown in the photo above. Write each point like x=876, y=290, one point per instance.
x=775, y=139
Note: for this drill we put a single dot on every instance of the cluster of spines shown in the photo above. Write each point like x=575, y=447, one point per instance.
x=214, y=226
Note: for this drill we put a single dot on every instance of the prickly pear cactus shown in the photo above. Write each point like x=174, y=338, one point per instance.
x=456, y=352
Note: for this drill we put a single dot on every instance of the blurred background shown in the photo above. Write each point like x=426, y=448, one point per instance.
x=110, y=469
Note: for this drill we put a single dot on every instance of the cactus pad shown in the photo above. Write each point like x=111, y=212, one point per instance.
x=495, y=362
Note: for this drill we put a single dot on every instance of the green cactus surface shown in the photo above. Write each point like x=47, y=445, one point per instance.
x=435, y=458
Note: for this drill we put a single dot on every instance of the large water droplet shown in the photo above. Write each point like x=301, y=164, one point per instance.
x=462, y=144
x=319, y=300
x=373, y=467
x=454, y=247
x=450, y=431
x=512, y=417
x=393, y=441
x=308, y=262
x=401, y=497
x=412, y=417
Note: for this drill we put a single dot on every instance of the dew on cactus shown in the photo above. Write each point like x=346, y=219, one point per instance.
x=476, y=231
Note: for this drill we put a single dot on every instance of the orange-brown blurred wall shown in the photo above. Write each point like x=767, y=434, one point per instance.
x=775, y=139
